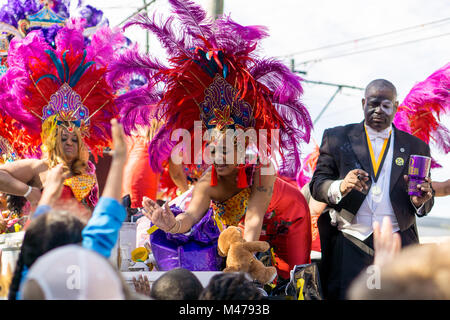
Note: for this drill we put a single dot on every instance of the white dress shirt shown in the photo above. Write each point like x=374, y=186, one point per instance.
x=375, y=206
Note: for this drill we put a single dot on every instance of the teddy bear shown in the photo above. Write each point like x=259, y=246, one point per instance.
x=240, y=255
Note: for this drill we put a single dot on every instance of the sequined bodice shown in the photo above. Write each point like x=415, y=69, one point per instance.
x=81, y=185
x=233, y=209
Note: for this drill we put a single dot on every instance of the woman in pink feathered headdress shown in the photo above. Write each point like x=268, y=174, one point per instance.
x=60, y=97
x=420, y=112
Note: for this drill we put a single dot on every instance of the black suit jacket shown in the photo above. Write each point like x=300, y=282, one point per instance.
x=345, y=148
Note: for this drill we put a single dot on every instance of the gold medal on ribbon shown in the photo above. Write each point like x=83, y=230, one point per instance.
x=376, y=190
x=377, y=163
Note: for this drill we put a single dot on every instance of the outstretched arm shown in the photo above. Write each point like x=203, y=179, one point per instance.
x=15, y=176
x=166, y=221
x=441, y=188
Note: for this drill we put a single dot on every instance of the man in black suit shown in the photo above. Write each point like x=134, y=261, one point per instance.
x=361, y=174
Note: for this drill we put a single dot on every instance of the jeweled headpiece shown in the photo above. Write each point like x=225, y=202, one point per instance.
x=215, y=76
x=65, y=85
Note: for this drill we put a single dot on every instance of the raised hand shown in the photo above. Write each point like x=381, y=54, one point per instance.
x=118, y=137
x=161, y=217
x=142, y=285
x=386, y=243
x=115, y=175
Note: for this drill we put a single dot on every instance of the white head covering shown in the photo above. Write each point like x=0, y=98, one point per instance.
x=75, y=273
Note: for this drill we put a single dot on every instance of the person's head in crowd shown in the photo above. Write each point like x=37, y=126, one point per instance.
x=72, y=273
x=419, y=272
x=379, y=104
x=44, y=233
x=231, y=286
x=176, y=284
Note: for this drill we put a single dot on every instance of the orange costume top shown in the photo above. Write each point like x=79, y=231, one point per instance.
x=139, y=179
x=83, y=188
x=286, y=225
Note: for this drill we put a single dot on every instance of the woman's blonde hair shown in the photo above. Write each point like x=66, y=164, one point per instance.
x=53, y=151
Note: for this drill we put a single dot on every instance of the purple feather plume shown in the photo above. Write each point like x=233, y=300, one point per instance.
x=137, y=107
x=169, y=38
x=16, y=10
x=287, y=90
x=104, y=45
x=15, y=81
x=193, y=18
x=71, y=36
x=129, y=63
x=163, y=144
x=243, y=39
x=92, y=16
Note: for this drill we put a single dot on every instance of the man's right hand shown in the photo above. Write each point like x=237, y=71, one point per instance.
x=351, y=181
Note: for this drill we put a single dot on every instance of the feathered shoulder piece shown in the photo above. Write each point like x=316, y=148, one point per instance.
x=215, y=76
x=419, y=114
x=45, y=87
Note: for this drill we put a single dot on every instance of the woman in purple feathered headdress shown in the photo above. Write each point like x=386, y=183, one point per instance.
x=217, y=84
x=18, y=15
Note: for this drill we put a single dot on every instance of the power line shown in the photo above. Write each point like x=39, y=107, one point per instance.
x=375, y=49
x=136, y=12
x=332, y=84
x=365, y=38
x=327, y=105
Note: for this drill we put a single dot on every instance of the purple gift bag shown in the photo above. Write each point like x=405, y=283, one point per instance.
x=196, y=251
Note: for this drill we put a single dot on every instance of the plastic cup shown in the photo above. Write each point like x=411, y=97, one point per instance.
x=418, y=170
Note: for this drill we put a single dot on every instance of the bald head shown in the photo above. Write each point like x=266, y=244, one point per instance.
x=379, y=104
x=380, y=84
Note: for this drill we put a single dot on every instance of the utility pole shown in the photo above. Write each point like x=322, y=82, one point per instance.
x=293, y=67
x=217, y=8
x=327, y=105
x=147, y=47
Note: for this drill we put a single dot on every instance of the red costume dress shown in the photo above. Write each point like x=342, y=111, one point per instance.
x=83, y=188
x=286, y=226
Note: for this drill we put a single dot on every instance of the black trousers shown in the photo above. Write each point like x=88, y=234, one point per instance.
x=348, y=260
x=342, y=260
